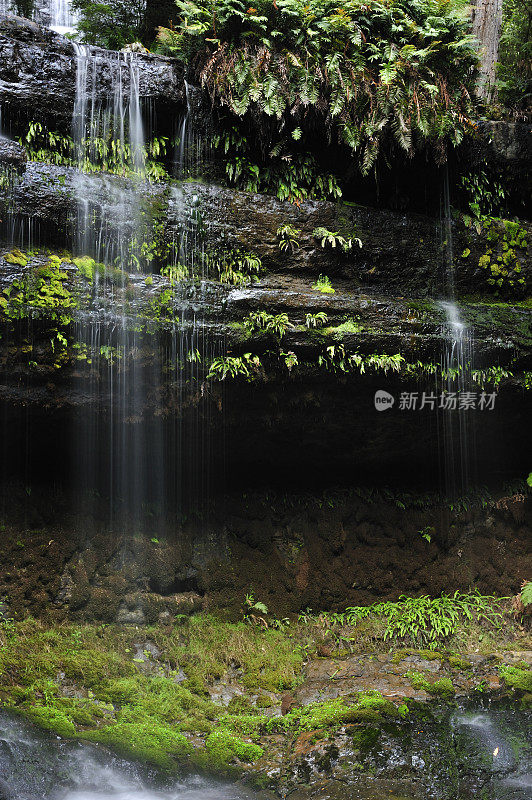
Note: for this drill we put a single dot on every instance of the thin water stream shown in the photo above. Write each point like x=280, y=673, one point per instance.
x=456, y=443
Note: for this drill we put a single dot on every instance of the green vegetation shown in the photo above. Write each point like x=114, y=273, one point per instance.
x=515, y=55
x=93, y=271
x=519, y=679
x=333, y=240
x=316, y=320
x=87, y=681
x=100, y=154
x=526, y=594
x=141, y=711
x=366, y=75
x=288, y=241
x=246, y=366
x=323, y=285
x=234, y=267
x=262, y=322
x=443, y=687
x=425, y=621
x=337, y=359
x=42, y=291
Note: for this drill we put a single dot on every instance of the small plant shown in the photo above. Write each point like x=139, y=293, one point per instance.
x=323, y=285
x=526, y=593
x=333, y=240
x=290, y=359
x=424, y=621
x=317, y=320
x=523, y=601
x=234, y=268
x=426, y=533
x=261, y=321
x=246, y=366
x=194, y=356
x=287, y=236
x=254, y=611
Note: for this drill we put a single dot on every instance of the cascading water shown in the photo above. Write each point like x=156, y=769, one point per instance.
x=58, y=15
x=41, y=767
x=456, y=374
x=192, y=146
x=62, y=17
x=129, y=451
x=104, y=132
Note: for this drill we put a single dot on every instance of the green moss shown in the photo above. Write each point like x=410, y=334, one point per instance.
x=269, y=659
x=350, y=326
x=145, y=740
x=364, y=738
x=459, y=663
x=263, y=701
x=16, y=257
x=240, y=705
x=366, y=707
x=516, y=678
x=91, y=270
x=51, y=719
x=223, y=747
x=443, y=687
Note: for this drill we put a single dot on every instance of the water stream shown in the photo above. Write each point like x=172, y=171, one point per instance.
x=38, y=766
x=58, y=15
x=471, y=752
x=132, y=453
x=456, y=442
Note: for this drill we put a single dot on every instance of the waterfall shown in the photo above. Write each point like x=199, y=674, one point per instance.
x=193, y=149
x=456, y=365
x=456, y=373
x=103, y=131
x=128, y=448
x=58, y=15
x=61, y=17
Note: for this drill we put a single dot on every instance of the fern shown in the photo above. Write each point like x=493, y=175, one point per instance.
x=361, y=71
x=526, y=593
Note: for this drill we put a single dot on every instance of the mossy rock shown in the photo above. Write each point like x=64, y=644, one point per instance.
x=16, y=257
x=145, y=741
x=456, y=662
x=51, y=719
x=223, y=747
x=356, y=714
x=364, y=737
x=518, y=679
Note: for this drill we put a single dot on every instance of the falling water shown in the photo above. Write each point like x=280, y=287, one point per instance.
x=133, y=448
x=58, y=15
x=193, y=151
x=107, y=222
x=36, y=765
x=61, y=16
x=456, y=373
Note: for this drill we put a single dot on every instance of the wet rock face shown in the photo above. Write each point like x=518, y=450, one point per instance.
x=12, y=154
x=38, y=70
x=397, y=249
x=400, y=253
x=446, y=753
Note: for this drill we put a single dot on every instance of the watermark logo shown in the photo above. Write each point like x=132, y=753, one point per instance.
x=383, y=400
x=447, y=401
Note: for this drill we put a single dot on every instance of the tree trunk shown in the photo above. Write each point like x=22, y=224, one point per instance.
x=487, y=23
